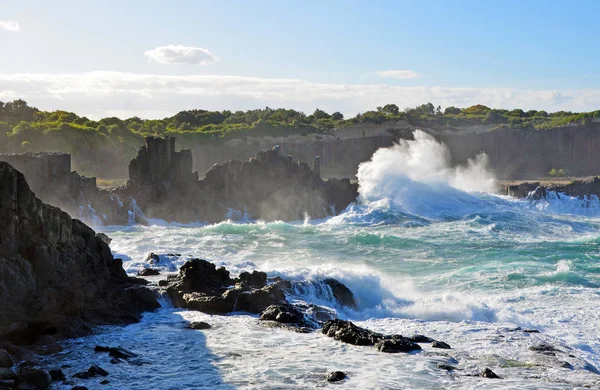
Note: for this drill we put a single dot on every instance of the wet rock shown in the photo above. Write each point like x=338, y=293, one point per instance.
x=116, y=361
x=5, y=359
x=107, y=240
x=397, y=344
x=148, y=272
x=152, y=258
x=341, y=293
x=199, y=325
x=6, y=373
x=97, y=370
x=543, y=347
x=347, y=332
x=255, y=300
x=446, y=367
x=54, y=270
x=531, y=331
x=440, y=344
x=105, y=382
x=419, y=338
x=283, y=313
x=79, y=388
x=101, y=348
x=32, y=377
x=256, y=279
x=57, y=375
x=336, y=376
x=121, y=353
x=487, y=373
x=567, y=365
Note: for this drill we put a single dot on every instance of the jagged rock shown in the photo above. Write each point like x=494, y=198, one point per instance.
x=441, y=345
x=5, y=359
x=283, y=313
x=121, y=353
x=347, y=332
x=54, y=270
x=419, y=338
x=336, y=376
x=256, y=279
x=199, y=325
x=487, y=373
x=342, y=293
x=397, y=344
x=57, y=375
x=446, y=367
x=106, y=239
x=6, y=374
x=152, y=258
x=148, y=272
x=543, y=347
x=40, y=379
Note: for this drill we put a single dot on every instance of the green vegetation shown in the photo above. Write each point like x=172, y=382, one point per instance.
x=114, y=141
x=558, y=172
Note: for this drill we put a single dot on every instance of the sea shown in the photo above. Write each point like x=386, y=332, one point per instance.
x=428, y=248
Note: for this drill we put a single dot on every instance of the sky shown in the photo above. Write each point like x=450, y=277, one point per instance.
x=155, y=58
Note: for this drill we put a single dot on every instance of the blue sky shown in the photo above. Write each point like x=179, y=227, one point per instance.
x=153, y=58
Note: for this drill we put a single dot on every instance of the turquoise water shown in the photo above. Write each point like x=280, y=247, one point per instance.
x=427, y=250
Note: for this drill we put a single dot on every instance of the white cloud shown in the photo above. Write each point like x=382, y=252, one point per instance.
x=99, y=94
x=9, y=25
x=398, y=74
x=179, y=54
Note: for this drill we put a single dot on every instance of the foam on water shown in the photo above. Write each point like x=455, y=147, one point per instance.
x=426, y=250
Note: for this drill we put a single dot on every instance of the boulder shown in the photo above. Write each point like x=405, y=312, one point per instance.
x=283, y=313
x=397, y=344
x=256, y=279
x=336, y=376
x=487, y=373
x=106, y=239
x=57, y=374
x=347, y=332
x=5, y=359
x=341, y=293
x=441, y=345
x=30, y=377
x=148, y=272
x=199, y=325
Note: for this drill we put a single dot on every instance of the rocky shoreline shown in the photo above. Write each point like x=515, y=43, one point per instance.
x=537, y=190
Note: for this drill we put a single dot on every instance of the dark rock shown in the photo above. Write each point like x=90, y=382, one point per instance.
x=446, y=367
x=121, y=353
x=57, y=375
x=397, y=344
x=543, y=347
x=54, y=270
x=199, y=325
x=107, y=240
x=347, y=332
x=440, y=344
x=79, y=388
x=487, y=373
x=83, y=375
x=7, y=384
x=419, y=338
x=101, y=348
x=255, y=279
x=116, y=361
x=341, y=293
x=531, y=331
x=105, y=382
x=283, y=313
x=567, y=365
x=97, y=370
x=336, y=376
x=148, y=272
x=5, y=359
x=6, y=373
x=41, y=379
x=152, y=258
x=255, y=300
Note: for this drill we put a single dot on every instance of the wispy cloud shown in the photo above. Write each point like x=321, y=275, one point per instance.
x=99, y=94
x=9, y=25
x=398, y=74
x=179, y=54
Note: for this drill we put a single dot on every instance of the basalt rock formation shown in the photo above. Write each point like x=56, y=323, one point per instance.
x=539, y=190
x=269, y=186
x=56, y=274
x=201, y=286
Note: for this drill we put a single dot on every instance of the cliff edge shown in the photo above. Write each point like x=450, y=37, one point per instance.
x=56, y=276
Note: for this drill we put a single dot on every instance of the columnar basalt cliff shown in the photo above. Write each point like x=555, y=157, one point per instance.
x=269, y=186
x=55, y=274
